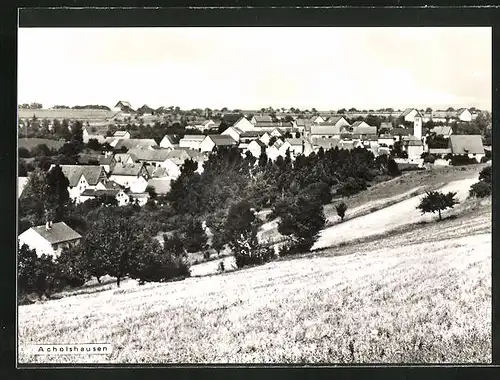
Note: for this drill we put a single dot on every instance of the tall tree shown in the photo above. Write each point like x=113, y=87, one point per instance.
x=58, y=195
x=437, y=201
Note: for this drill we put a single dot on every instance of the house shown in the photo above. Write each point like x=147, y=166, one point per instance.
x=301, y=124
x=444, y=131
x=146, y=110
x=113, y=190
x=363, y=128
x=265, y=138
x=409, y=114
x=261, y=119
x=125, y=158
x=325, y=131
x=471, y=145
x=325, y=143
x=277, y=132
x=414, y=147
x=386, y=140
x=234, y=132
x=212, y=141
x=463, y=114
x=134, y=143
x=191, y=141
x=127, y=175
x=139, y=198
x=95, y=132
x=82, y=177
x=121, y=135
x=339, y=121
x=244, y=125
x=49, y=239
x=250, y=136
x=256, y=147
x=385, y=125
x=205, y=126
x=96, y=159
x=400, y=132
x=317, y=119
x=169, y=142
x=153, y=157
x=123, y=106
x=296, y=146
x=21, y=184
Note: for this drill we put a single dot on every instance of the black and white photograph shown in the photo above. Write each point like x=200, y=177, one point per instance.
x=249, y=195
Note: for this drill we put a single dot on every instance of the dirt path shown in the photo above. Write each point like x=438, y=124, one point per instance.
x=386, y=219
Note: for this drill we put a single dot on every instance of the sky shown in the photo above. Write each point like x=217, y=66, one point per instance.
x=250, y=68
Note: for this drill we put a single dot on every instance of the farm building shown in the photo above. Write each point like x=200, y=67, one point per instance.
x=317, y=119
x=301, y=124
x=123, y=106
x=154, y=157
x=463, y=114
x=296, y=146
x=471, y=145
x=191, y=141
x=95, y=132
x=339, y=121
x=212, y=141
x=234, y=132
x=49, y=239
x=205, y=125
x=261, y=119
x=118, y=194
x=444, y=131
x=325, y=131
x=386, y=140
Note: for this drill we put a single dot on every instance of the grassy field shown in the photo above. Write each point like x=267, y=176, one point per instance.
x=33, y=142
x=82, y=114
x=421, y=294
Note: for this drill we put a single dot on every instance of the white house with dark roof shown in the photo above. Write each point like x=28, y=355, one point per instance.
x=471, y=145
x=256, y=147
x=463, y=114
x=191, y=141
x=169, y=142
x=127, y=175
x=212, y=141
x=49, y=239
x=409, y=114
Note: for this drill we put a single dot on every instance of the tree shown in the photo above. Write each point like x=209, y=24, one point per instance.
x=480, y=189
x=194, y=235
x=27, y=267
x=428, y=110
x=241, y=231
x=341, y=209
x=33, y=203
x=437, y=201
x=72, y=269
x=392, y=168
x=485, y=174
x=58, y=195
x=272, y=140
x=302, y=219
x=174, y=245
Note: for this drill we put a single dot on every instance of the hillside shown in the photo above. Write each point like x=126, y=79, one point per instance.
x=420, y=293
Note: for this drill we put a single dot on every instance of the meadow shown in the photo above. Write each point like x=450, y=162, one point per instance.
x=419, y=294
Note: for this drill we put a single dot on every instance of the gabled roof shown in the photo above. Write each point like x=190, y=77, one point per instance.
x=92, y=173
x=158, y=155
x=466, y=144
x=123, y=157
x=100, y=193
x=222, y=140
x=251, y=134
x=402, y=131
x=407, y=111
x=123, y=103
x=157, y=171
x=173, y=139
x=335, y=119
x=461, y=110
x=145, y=109
x=263, y=118
x=120, y=133
x=127, y=169
x=84, y=159
x=294, y=141
x=60, y=232
x=258, y=142
x=198, y=138
x=303, y=122
x=364, y=130
x=135, y=143
x=326, y=143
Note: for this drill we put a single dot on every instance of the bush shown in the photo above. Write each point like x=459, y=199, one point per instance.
x=485, y=174
x=341, y=209
x=462, y=159
x=352, y=186
x=480, y=189
x=484, y=159
x=23, y=153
